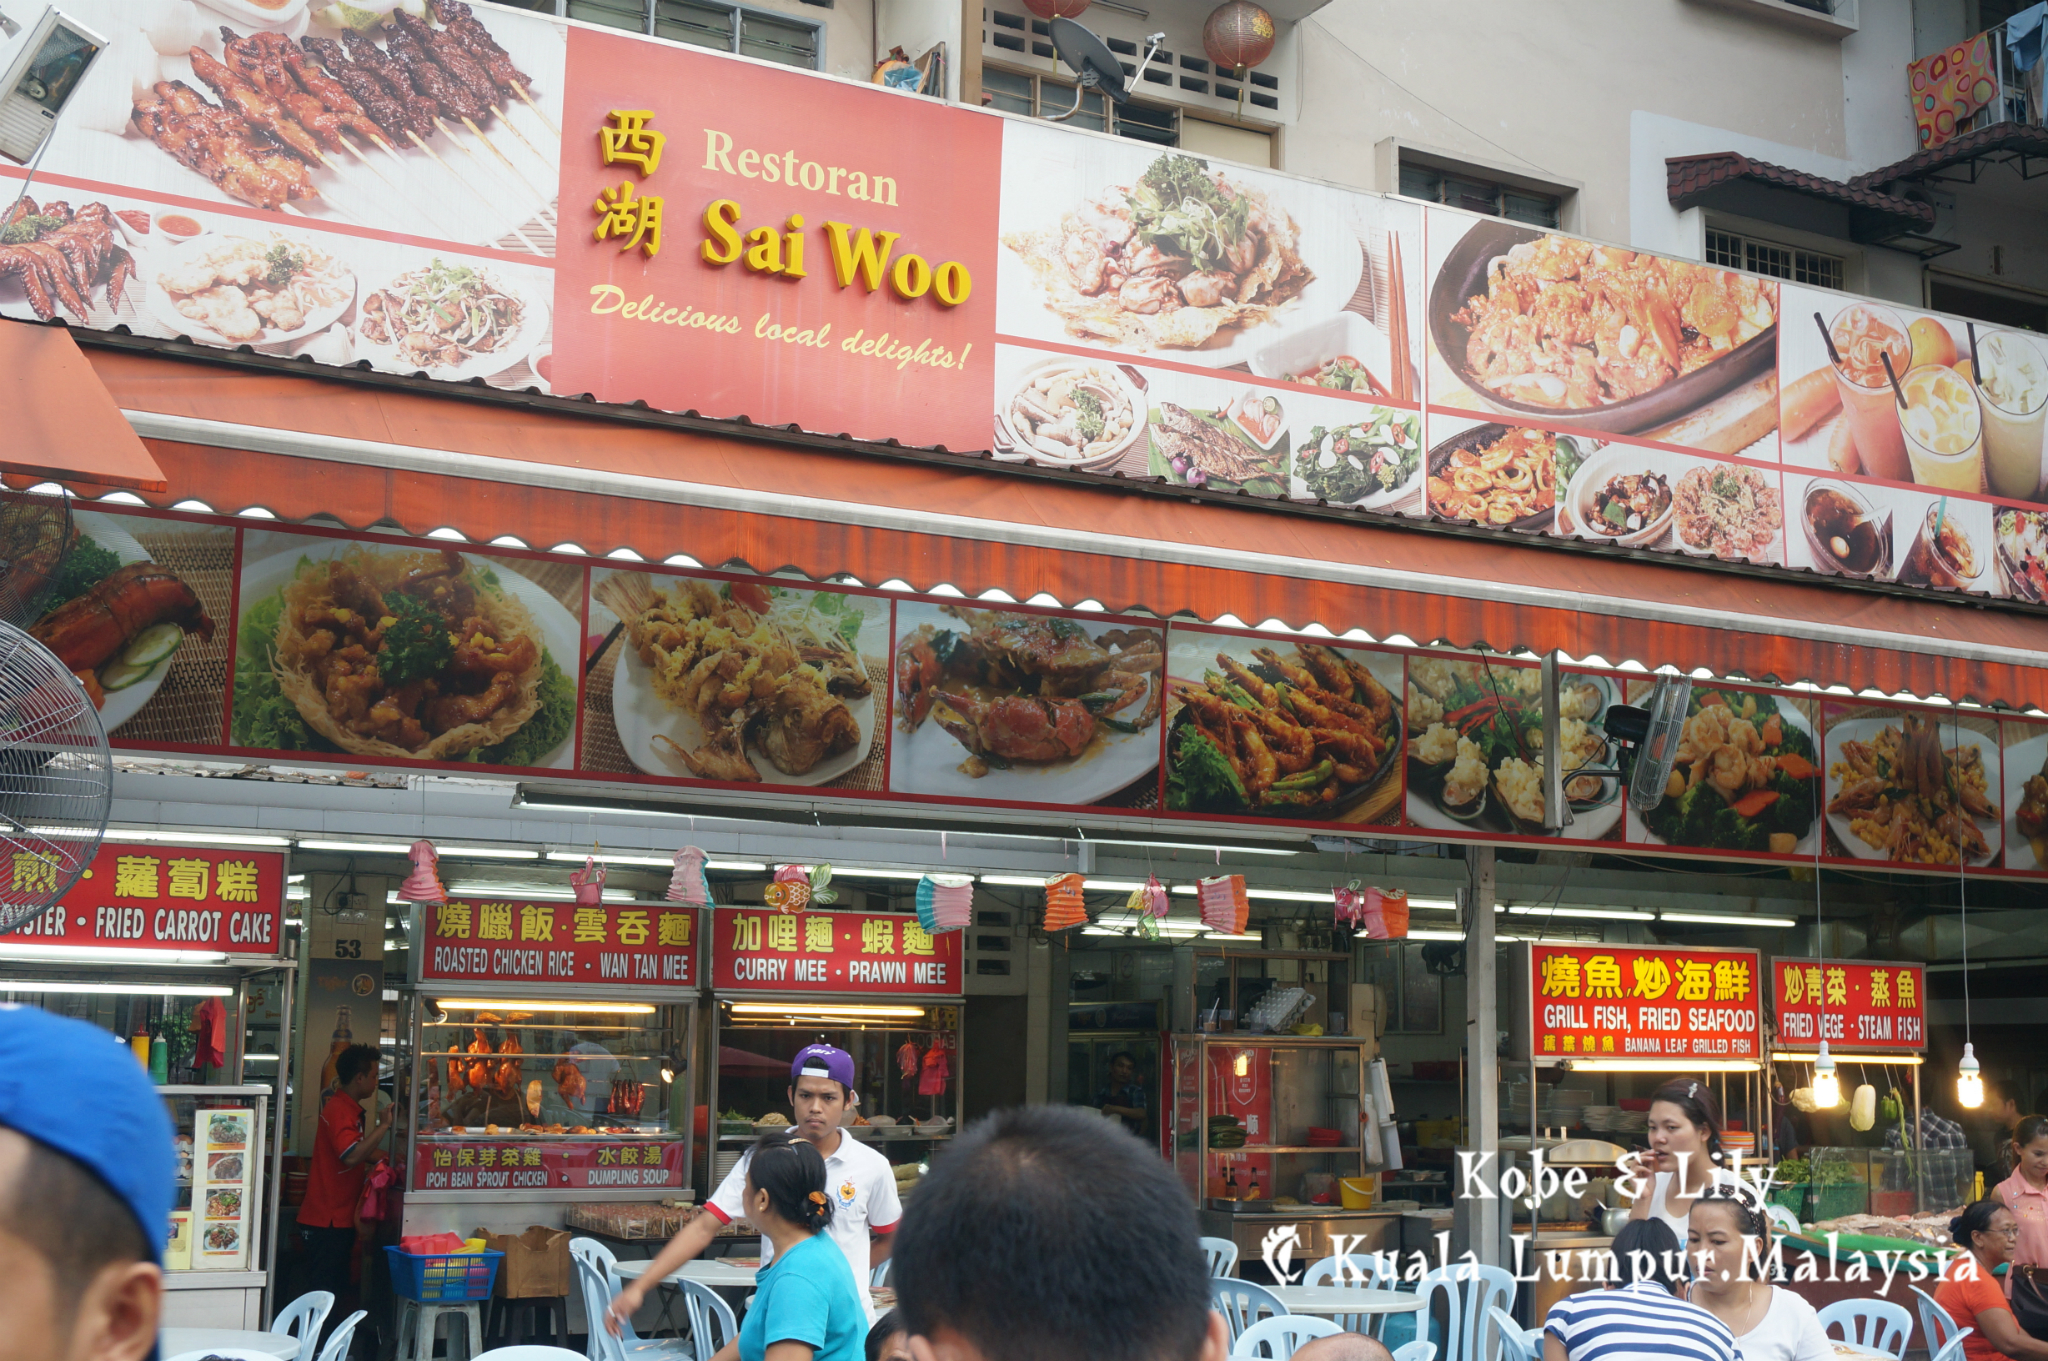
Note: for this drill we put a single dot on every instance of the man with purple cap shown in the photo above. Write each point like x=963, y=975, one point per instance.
x=865, y=1208
x=85, y=1194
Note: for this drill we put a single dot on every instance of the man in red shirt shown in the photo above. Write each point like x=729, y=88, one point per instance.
x=341, y=1150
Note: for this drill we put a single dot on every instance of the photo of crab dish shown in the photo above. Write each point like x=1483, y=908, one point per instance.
x=999, y=704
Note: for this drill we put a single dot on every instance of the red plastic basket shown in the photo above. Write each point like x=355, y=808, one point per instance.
x=431, y=1278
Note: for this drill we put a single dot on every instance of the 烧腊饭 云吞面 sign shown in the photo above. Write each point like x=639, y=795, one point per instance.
x=763, y=950
x=485, y=940
x=1644, y=1002
x=1852, y=1004
x=159, y=897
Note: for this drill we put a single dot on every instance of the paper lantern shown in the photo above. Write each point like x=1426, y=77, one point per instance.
x=423, y=885
x=945, y=902
x=1063, y=905
x=588, y=882
x=686, y=884
x=791, y=891
x=1224, y=905
x=1238, y=34
x=1056, y=9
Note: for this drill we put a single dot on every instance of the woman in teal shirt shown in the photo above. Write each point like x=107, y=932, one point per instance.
x=806, y=1304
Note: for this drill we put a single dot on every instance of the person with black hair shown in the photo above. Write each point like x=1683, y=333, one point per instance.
x=342, y=1149
x=1638, y=1317
x=1985, y=1230
x=1122, y=1096
x=887, y=1341
x=2025, y=1193
x=1728, y=1238
x=1045, y=1233
x=1684, y=1153
x=806, y=1306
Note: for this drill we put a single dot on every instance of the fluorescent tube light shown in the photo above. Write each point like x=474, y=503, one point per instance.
x=734, y=865
x=1618, y=914
x=528, y=1004
x=855, y=872
x=1232, y=849
x=1111, y=885
x=110, y=954
x=1709, y=919
x=405, y=848
x=1898, y=1060
x=541, y=893
x=1016, y=880
x=824, y=1011
x=147, y=989
x=1674, y=1064
x=220, y=838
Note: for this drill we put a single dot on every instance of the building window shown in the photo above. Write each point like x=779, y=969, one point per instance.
x=1038, y=96
x=1457, y=190
x=702, y=23
x=1768, y=257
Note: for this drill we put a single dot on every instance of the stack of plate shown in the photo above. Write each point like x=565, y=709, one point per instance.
x=1601, y=1118
x=722, y=1164
x=1631, y=1122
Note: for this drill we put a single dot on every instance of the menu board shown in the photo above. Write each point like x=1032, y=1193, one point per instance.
x=640, y=946
x=764, y=950
x=1852, y=1004
x=1623, y=1001
x=226, y=1146
x=154, y=896
x=512, y=1161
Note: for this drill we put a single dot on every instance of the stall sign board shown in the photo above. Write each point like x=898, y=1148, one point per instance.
x=1644, y=1002
x=158, y=897
x=1852, y=1004
x=484, y=940
x=758, y=949
x=536, y=1164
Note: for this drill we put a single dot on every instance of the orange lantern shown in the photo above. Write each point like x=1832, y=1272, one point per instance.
x=1238, y=34
x=1056, y=9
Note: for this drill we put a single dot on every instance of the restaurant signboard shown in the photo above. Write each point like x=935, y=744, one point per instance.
x=757, y=949
x=1644, y=1002
x=523, y=1163
x=555, y=944
x=152, y=896
x=1852, y=1004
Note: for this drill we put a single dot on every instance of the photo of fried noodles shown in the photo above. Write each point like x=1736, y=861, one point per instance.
x=1899, y=793
x=408, y=654
x=1495, y=475
x=1569, y=325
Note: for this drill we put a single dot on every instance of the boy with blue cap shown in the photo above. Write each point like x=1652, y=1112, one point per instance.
x=85, y=1193
x=859, y=1180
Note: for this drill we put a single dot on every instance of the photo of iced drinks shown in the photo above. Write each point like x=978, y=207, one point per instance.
x=1863, y=334
x=1943, y=554
x=1944, y=429
x=2012, y=380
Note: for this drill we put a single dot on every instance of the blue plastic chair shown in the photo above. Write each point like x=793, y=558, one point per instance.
x=1242, y=1303
x=1221, y=1254
x=303, y=1319
x=1416, y=1351
x=1374, y=1271
x=344, y=1333
x=1875, y=1325
x=1281, y=1337
x=1937, y=1325
x=1952, y=1350
x=712, y=1324
x=1516, y=1342
x=1469, y=1291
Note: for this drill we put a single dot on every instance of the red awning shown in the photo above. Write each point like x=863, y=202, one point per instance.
x=61, y=422
x=302, y=446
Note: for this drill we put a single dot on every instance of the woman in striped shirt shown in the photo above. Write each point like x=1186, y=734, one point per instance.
x=1637, y=1318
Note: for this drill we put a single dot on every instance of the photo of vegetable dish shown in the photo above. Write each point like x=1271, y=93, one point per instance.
x=1343, y=373
x=1475, y=749
x=1002, y=703
x=1496, y=475
x=447, y=317
x=1630, y=502
x=1361, y=462
x=401, y=653
x=1898, y=791
x=741, y=681
x=1745, y=776
x=247, y=290
x=223, y=1204
x=1729, y=511
x=1304, y=732
x=1168, y=262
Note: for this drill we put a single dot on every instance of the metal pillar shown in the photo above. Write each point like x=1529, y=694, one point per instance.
x=1482, y=1063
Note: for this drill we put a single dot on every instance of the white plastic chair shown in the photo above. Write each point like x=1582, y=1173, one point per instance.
x=1469, y=1291
x=303, y=1319
x=532, y=1352
x=1221, y=1255
x=344, y=1333
x=1937, y=1325
x=1952, y=1350
x=1242, y=1302
x=879, y=1277
x=1374, y=1271
x=1874, y=1325
x=1281, y=1337
x=1516, y=1342
x=712, y=1324
x=1419, y=1350
x=592, y=1262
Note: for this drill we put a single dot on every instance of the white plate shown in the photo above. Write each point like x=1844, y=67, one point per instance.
x=559, y=630
x=640, y=713
x=1297, y=485
x=928, y=760
x=1310, y=347
x=1591, y=824
x=107, y=532
x=2022, y=761
x=251, y=16
x=1866, y=730
x=1792, y=718
x=533, y=326
x=1611, y=462
x=165, y=311
x=1139, y=405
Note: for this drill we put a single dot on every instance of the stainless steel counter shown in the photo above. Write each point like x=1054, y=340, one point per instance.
x=1363, y=1231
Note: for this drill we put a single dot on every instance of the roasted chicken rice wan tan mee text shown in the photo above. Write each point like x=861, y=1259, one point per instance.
x=1026, y=688
x=751, y=664
x=1570, y=325
x=406, y=654
x=1168, y=262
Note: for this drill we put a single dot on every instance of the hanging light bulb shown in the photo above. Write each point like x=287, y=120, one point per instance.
x=1969, y=1083
x=1243, y=1065
x=1827, y=1090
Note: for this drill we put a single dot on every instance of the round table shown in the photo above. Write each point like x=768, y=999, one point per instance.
x=711, y=1272
x=178, y=1341
x=1344, y=1299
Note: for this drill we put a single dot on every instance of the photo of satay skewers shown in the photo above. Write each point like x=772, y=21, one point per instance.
x=427, y=125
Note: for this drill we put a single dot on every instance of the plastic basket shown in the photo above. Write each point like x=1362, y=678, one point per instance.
x=1834, y=1201
x=1792, y=1198
x=431, y=1278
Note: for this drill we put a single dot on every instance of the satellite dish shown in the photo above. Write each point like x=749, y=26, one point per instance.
x=1090, y=59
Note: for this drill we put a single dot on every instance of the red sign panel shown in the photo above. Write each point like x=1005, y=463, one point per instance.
x=491, y=941
x=756, y=949
x=539, y=1163
x=1850, y=1004
x=1626, y=1001
x=156, y=897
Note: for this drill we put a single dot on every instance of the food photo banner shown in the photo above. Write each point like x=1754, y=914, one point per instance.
x=538, y=205
x=1619, y=1001
x=362, y=650
x=1850, y=1004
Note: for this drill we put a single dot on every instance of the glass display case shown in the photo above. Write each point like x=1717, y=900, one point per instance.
x=1265, y=1117
x=548, y=1096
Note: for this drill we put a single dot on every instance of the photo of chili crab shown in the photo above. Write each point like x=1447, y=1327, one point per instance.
x=1005, y=704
